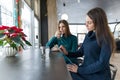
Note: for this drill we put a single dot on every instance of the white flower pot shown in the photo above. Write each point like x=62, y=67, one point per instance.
x=9, y=51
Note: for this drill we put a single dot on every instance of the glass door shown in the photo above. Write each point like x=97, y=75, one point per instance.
x=36, y=38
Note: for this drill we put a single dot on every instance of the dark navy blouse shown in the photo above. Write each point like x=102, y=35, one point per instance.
x=96, y=60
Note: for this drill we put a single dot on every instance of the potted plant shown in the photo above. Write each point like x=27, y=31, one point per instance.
x=12, y=36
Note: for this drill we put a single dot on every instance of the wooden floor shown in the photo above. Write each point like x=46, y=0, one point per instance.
x=116, y=61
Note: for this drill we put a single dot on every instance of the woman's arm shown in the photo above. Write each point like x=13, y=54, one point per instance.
x=53, y=41
x=78, y=53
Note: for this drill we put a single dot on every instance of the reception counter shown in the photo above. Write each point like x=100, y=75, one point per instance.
x=30, y=65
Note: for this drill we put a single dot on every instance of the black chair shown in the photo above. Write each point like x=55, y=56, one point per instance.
x=113, y=69
x=118, y=45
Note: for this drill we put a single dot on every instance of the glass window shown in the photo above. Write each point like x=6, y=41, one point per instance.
x=115, y=28
x=112, y=27
x=81, y=37
x=73, y=29
x=26, y=21
x=79, y=31
x=6, y=12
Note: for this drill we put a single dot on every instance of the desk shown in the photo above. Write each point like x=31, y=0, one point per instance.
x=30, y=65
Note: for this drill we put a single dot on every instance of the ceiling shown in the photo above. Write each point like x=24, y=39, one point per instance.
x=76, y=10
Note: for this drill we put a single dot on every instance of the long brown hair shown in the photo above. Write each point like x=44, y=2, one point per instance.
x=103, y=33
x=67, y=32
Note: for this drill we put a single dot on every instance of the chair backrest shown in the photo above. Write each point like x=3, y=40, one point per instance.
x=113, y=69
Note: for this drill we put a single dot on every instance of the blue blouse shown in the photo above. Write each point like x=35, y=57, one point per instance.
x=96, y=60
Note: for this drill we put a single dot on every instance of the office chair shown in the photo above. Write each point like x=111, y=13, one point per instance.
x=113, y=69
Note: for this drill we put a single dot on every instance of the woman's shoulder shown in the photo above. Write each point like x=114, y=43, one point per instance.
x=73, y=36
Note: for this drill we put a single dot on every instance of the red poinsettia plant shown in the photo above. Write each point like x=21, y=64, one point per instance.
x=13, y=36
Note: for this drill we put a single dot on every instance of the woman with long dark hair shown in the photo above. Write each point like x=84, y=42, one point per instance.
x=97, y=49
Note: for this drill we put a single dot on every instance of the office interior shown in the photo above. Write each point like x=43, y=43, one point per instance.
x=39, y=18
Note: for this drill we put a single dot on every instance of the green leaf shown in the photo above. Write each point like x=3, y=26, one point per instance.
x=2, y=31
x=17, y=40
x=2, y=35
x=5, y=43
x=22, y=46
x=14, y=46
x=28, y=43
x=1, y=42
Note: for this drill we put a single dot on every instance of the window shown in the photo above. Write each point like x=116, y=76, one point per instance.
x=79, y=31
x=6, y=12
x=115, y=28
x=26, y=21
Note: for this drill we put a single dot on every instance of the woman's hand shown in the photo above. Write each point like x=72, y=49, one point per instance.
x=72, y=67
x=58, y=34
x=62, y=49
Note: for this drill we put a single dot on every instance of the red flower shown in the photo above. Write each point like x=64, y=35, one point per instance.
x=22, y=34
x=7, y=33
x=3, y=27
x=17, y=30
x=13, y=28
x=14, y=35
